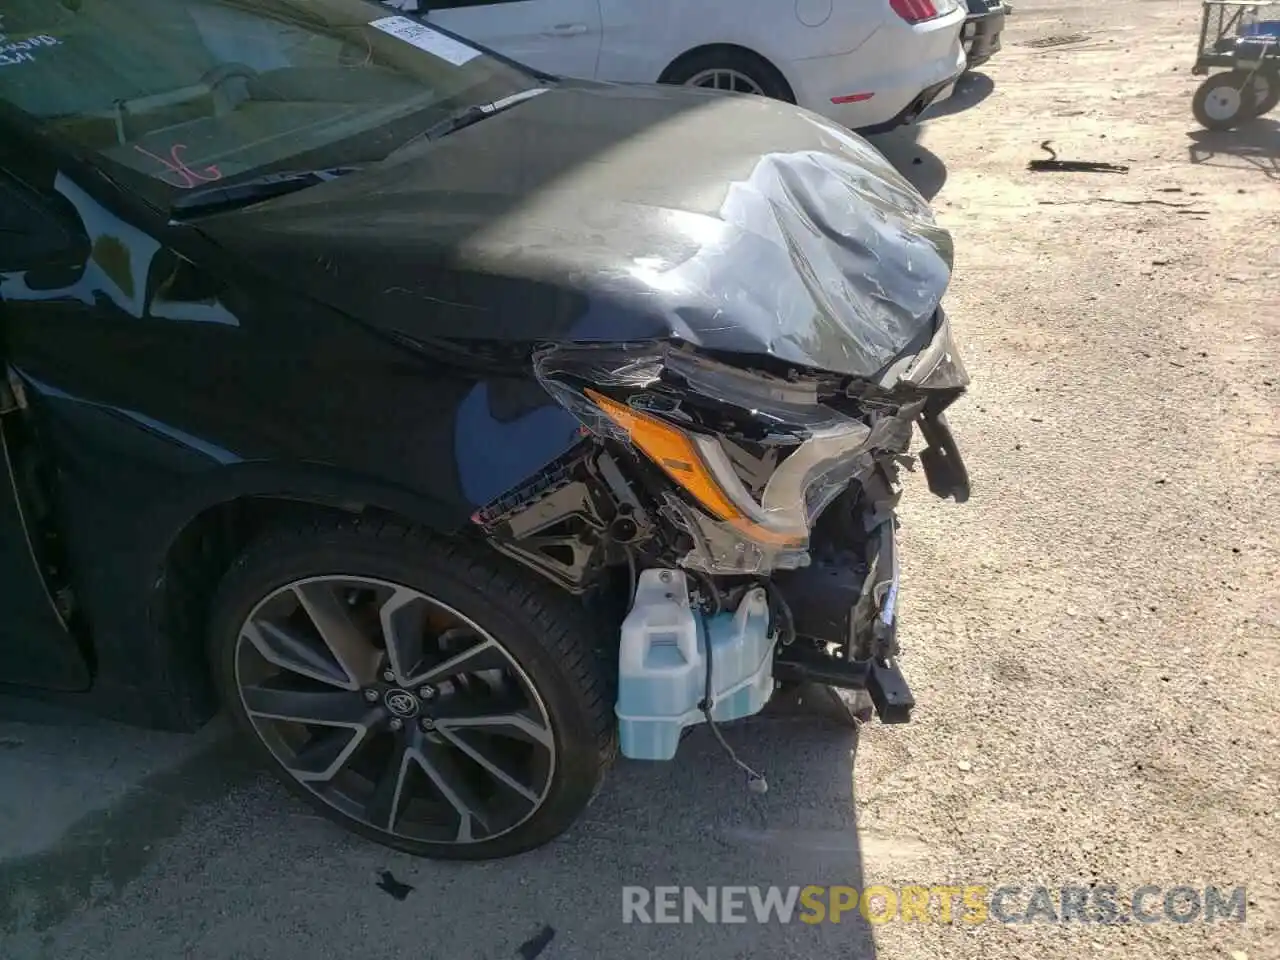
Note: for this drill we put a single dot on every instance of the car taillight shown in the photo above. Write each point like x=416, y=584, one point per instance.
x=914, y=11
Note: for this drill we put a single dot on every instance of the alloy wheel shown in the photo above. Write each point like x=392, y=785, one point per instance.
x=395, y=709
x=724, y=79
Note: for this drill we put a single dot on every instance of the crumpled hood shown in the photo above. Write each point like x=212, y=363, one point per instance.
x=599, y=212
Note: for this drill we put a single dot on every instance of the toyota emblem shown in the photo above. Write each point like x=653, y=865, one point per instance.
x=401, y=702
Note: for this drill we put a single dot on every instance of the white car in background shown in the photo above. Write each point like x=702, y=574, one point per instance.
x=866, y=64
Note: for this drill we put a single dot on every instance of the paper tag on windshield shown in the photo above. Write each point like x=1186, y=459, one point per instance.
x=424, y=38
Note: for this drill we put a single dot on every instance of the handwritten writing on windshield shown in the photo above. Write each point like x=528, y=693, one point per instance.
x=14, y=52
x=175, y=171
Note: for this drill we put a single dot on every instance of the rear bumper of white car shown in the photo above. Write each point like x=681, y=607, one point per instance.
x=889, y=79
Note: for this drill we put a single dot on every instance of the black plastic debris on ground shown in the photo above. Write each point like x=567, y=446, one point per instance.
x=389, y=884
x=1072, y=166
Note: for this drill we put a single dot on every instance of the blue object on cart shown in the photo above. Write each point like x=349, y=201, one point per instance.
x=1263, y=28
x=1251, y=51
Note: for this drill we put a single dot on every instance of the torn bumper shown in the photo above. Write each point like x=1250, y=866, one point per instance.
x=852, y=602
x=847, y=599
x=944, y=468
x=881, y=679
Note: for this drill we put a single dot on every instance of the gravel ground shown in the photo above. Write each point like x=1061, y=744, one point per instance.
x=1092, y=638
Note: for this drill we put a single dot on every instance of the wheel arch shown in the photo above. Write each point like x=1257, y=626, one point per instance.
x=204, y=531
x=673, y=68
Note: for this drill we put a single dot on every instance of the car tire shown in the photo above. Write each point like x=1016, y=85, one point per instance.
x=1220, y=102
x=525, y=718
x=741, y=67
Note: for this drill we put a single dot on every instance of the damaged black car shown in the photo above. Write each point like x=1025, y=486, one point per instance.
x=452, y=426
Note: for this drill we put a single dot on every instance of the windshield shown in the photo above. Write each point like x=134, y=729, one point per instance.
x=173, y=95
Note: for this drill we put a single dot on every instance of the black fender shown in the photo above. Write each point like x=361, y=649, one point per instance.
x=151, y=671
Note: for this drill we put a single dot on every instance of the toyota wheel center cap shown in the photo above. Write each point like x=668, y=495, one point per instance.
x=401, y=703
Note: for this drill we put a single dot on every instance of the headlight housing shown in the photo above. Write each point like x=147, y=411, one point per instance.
x=672, y=406
x=937, y=367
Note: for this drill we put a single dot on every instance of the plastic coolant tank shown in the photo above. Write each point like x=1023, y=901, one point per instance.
x=662, y=664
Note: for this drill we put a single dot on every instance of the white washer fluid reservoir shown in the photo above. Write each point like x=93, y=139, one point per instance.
x=662, y=663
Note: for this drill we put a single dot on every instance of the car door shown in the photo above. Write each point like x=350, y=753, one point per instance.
x=643, y=37
x=555, y=36
x=36, y=647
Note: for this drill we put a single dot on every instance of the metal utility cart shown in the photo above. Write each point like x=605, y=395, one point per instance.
x=1242, y=36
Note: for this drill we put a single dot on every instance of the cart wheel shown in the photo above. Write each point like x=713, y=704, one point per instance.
x=1266, y=88
x=1220, y=104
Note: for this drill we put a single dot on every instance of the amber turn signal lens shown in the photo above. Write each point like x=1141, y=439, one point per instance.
x=672, y=450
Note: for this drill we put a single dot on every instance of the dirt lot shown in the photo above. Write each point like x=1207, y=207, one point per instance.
x=1094, y=638
x=1095, y=635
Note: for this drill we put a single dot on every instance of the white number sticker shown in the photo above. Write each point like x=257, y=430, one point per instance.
x=424, y=38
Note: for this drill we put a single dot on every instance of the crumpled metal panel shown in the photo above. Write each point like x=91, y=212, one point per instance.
x=823, y=260
x=615, y=213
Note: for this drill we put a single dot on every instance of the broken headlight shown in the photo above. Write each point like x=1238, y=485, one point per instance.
x=937, y=367
x=694, y=419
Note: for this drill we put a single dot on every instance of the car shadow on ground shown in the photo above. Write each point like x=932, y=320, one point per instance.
x=1256, y=144
x=920, y=165
x=971, y=89
x=902, y=147
x=210, y=829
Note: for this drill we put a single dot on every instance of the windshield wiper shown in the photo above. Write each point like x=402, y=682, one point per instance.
x=466, y=116
x=253, y=190
x=256, y=189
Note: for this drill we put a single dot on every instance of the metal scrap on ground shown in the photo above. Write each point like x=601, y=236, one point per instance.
x=1073, y=166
